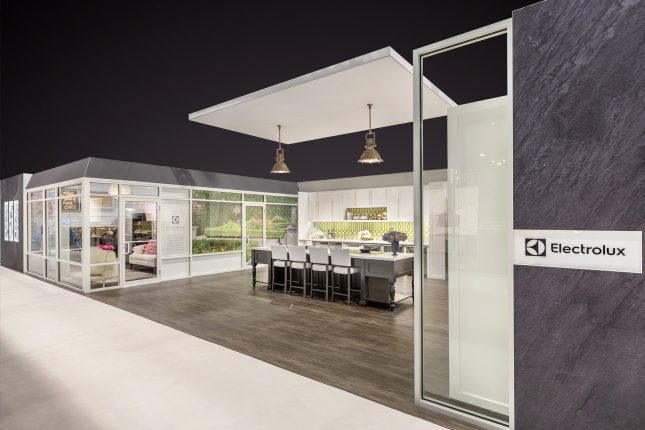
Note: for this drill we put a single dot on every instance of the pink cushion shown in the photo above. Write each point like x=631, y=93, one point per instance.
x=150, y=248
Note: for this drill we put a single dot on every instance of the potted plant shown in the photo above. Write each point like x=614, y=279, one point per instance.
x=394, y=237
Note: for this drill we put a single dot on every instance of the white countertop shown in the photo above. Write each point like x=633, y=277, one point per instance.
x=387, y=256
x=371, y=242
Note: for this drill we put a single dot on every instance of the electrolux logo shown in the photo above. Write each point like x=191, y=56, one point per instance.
x=538, y=248
x=535, y=247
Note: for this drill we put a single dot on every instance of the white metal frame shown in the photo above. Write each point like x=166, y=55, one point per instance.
x=245, y=238
x=85, y=202
x=497, y=29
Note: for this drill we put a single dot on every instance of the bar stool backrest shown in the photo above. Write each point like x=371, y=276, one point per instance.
x=297, y=253
x=340, y=257
x=279, y=252
x=319, y=255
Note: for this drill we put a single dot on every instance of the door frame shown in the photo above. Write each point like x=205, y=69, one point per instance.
x=245, y=238
x=496, y=29
x=122, y=244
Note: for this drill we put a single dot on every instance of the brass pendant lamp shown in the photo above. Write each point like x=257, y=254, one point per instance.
x=370, y=154
x=280, y=166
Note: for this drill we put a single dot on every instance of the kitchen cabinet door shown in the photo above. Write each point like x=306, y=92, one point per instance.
x=406, y=204
x=349, y=199
x=393, y=203
x=303, y=214
x=312, y=204
x=325, y=205
x=363, y=198
x=378, y=197
x=339, y=207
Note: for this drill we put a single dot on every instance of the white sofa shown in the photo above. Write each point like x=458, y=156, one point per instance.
x=140, y=259
x=106, y=272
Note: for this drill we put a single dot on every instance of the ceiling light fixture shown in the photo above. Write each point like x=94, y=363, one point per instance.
x=370, y=154
x=280, y=166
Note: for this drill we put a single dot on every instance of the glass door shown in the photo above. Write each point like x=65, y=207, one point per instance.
x=140, y=259
x=254, y=231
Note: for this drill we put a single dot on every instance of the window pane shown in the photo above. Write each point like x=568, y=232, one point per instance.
x=51, y=193
x=104, y=188
x=176, y=193
x=52, y=269
x=217, y=195
x=70, y=190
x=282, y=199
x=105, y=275
x=253, y=198
x=217, y=227
x=35, y=195
x=139, y=190
x=104, y=228
x=71, y=274
x=282, y=224
x=52, y=232
x=70, y=221
x=36, y=227
x=35, y=264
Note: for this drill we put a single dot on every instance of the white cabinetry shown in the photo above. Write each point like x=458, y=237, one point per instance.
x=393, y=194
x=339, y=206
x=325, y=205
x=349, y=199
x=363, y=198
x=378, y=197
x=312, y=204
x=406, y=204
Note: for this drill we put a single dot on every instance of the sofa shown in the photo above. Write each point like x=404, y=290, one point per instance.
x=139, y=258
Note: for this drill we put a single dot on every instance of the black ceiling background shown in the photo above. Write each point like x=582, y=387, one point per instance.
x=117, y=79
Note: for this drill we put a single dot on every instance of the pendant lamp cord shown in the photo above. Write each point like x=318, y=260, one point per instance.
x=279, y=137
x=369, y=106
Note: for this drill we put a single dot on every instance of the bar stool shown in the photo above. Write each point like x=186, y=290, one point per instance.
x=342, y=265
x=319, y=258
x=279, y=258
x=298, y=261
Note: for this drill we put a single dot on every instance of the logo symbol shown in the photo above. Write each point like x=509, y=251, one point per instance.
x=535, y=247
x=175, y=219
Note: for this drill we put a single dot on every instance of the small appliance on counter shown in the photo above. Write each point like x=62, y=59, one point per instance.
x=330, y=233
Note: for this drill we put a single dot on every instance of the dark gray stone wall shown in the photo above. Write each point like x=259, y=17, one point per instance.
x=11, y=253
x=579, y=163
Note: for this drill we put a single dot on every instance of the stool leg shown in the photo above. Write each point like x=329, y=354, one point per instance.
x=326, y=285
x=349, y=288
x=304, y=283
x=332, y=286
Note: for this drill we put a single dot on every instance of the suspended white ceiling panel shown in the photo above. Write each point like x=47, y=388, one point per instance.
x=329, y=102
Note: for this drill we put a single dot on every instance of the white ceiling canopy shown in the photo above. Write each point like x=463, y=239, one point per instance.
x=330, y=101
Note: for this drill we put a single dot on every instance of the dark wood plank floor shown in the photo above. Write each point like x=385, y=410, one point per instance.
x=367, y=351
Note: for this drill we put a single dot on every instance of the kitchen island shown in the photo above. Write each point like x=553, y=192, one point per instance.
x=378, y=273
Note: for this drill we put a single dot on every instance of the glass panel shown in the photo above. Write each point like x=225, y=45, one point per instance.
x=254, y=229
x=52, y=269
x=176, y=193
x=139, y=190
x=282, y=224
x=104, y=228
x=466, y=274
x=17, y=210
x=71, y=274
x=70, y=190
x=217, y=195
x=50, y=193
x=52, y=230
x=5, y=225
x=282, y=199
x=36, y=195
x=70, y=229
x=140, y=240
x=35, y=264
x=104, y=188
x=253, y=198
x=217, y=227
x=104, y=275
x=36, y=228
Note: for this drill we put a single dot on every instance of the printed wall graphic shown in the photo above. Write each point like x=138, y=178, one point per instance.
x=615, y=251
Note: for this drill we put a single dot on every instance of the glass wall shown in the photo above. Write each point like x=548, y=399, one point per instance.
x=466, y=266
x=104, y=235
x=217, y=227
x=282, y=224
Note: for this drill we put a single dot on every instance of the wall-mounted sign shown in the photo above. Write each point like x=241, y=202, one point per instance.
x=615, y=251
x=72, y=204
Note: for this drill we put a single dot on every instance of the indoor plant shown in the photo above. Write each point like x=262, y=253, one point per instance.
x=394, y=237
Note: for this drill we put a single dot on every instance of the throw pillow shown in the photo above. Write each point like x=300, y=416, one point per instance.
x=150, y=248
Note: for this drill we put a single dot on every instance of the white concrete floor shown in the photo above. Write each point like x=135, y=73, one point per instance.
x=69, y=362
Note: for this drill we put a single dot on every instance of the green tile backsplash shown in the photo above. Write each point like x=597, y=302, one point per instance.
x=349, y=230
x=371, y=213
